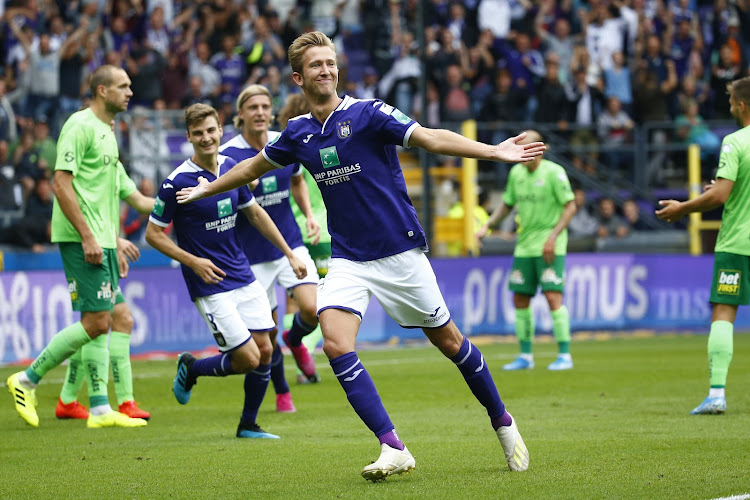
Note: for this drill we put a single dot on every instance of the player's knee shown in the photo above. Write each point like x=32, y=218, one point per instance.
x=97, y=323
x=309, y=314
x=244, y=361
x=266, y=352
x=122, y=320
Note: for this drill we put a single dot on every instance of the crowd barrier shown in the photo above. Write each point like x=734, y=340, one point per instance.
x=603, y=292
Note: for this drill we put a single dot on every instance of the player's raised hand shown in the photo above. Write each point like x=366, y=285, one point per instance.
x=207, y=271
x=671, y=212
x=186, y=195
x=299, y=267
x=513, y=149
x=313, y=230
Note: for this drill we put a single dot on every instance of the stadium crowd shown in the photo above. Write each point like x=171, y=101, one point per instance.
x=591, y=70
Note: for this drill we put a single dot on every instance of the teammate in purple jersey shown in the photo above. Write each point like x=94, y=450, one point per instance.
x=349, y=146
x=216, y=270
x=266, y=261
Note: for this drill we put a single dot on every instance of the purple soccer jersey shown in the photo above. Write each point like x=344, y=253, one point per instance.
x=272, y=192
x=206, y=228
x=353, y=159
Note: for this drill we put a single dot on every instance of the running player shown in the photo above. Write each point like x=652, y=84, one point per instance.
x=266, y=261
x=349, y=146
x=216, y=271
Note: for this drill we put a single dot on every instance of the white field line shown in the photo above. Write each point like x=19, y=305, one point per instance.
x=743, y=496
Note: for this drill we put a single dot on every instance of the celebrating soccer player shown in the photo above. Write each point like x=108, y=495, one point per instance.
x=730, y=287
x=267, y=262
x=349, y=146
x=541, y=191
x=216, y=271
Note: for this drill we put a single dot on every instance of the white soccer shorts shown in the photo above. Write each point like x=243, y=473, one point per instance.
x=404, y=284
x=279, y=271
x=229, y=315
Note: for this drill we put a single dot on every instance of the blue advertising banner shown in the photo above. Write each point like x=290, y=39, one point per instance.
x=603, y=292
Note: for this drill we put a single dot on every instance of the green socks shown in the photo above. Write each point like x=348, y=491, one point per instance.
x=74, y=378
x=561, y=329
x=119, y=357
x=66, y=342
x=525, y=329
x=96, y=360
x=720, y=345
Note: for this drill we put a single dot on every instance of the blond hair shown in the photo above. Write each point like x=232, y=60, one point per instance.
x=303, y=42
x=197, y=113
x=247, y=93
x=295, y=105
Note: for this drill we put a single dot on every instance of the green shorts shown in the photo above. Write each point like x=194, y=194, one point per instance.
x=530, y=272
x=92, y=288
x=321, y=255
x=731, y=279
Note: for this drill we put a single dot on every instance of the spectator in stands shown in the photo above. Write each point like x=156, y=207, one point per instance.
x=614, y=128
x=586, y=103
x=604, y=31
x=74, y=55
x=157, y=34
x=632, y=215
x=44, y=73
x=505, y=104
x=174, y=80
x=148, y=148
x=194, y=93
x=8, y=126
x=553, y=101
x=199, y=65
x=455, y=102
x=133, y=222
x=583, y=224
x=368, y=87
x=559, y=41
x=526, y=66
x=11, y=192
x=681, y=42
x=28, y=168
x=609, y=223
x=276, y=86
x=231, y=68
x=117, y=38
x=723, y=71
x=617, y=82
x=692, y=129
x=264, y=47
x=699, y=91
x=477, y=64
x=144, y=67
x=34, y=229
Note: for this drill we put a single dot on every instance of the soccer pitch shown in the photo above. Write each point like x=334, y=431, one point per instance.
x=617, y=426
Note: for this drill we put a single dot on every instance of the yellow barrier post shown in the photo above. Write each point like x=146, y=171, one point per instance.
x=469, y=191
x=694, y=190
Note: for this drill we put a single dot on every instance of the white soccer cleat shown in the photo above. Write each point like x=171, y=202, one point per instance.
x=392, y=461
x=516, y=453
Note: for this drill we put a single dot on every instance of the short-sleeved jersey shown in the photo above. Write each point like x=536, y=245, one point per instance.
x=540, y=197
x=206, y=227
x=734, y=165
x=353, y=158
x=125, y=185
x=88, y=149
x=272, y=192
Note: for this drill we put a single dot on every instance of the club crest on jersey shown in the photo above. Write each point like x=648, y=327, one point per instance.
x=225, y=207
x=329, y=157
x=344, y=129
x=269, y=184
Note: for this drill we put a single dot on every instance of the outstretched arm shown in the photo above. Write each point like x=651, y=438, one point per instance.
x=140, y=202
x=243, y=173
x=445, y=142
x=714, y=196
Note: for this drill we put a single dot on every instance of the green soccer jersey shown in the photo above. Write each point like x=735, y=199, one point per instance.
x=88, y=149
x=318, y=208
x=734, y=165
x=125, y=185
x=540, y=197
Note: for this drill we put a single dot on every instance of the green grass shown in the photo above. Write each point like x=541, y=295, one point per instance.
x=615, y=427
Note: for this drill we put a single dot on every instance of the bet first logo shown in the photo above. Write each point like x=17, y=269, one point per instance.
x=729, y=282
